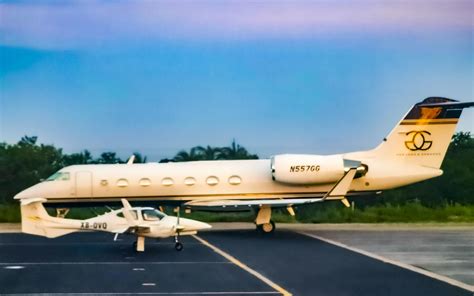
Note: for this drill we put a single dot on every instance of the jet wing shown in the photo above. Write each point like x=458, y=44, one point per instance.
x=253, y=203
x=339, y=190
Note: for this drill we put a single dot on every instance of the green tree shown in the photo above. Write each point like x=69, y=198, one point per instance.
x=461, y=140
x=109, y=158
x=235, y=151
x=192, y=155
x=139, y=158
x=25, y=164
x=84, y=157
x=209, y=153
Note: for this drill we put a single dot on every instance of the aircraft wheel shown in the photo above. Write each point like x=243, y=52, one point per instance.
x=268, y=227
x=178, y=246
x=258, y=228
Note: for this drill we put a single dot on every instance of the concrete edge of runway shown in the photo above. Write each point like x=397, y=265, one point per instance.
x=16, y=227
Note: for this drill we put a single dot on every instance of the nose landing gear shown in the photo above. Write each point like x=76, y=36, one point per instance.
x=177, y=245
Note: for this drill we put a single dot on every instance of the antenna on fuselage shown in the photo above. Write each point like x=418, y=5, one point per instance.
x=131, y=159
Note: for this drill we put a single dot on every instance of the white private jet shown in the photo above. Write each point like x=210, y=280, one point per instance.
x=142, y=222
x=411, y=153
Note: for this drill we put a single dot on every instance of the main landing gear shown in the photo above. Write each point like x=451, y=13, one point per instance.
x=263, y=220
x=266, y=227
x=139, y=244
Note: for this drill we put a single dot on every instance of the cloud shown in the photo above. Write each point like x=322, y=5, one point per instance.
x=87, y=23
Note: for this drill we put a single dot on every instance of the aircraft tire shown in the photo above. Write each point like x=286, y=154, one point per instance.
x=268, y=227
x=178, y=246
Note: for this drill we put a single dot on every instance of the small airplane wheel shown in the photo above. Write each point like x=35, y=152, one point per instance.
x=268, y=227
x=258, y=228
x=178, y=246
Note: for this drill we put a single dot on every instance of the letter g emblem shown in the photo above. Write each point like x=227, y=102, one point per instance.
x=418, y=141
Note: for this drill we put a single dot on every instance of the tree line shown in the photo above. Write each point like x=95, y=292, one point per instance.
x=27, y=162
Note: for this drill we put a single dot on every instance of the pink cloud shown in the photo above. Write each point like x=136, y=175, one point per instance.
x=87, y=23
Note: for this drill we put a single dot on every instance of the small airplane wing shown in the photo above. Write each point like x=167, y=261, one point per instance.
x=137, y=229
x=339, y=191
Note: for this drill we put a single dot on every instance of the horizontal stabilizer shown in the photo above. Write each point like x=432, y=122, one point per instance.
x=35, y=220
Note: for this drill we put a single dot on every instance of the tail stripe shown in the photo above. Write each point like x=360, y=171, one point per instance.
x=428, y=121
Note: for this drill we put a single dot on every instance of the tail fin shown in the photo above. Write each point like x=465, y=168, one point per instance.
x=35, y=220
x=422, y=137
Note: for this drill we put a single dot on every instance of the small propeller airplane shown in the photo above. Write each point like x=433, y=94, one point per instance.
x=140, y=221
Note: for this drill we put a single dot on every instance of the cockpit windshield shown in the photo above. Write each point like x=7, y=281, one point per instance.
x=59, y=176
x=152, y=215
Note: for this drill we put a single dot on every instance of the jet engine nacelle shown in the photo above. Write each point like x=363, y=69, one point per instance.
x=303, y=169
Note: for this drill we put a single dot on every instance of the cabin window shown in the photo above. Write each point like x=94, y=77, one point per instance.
x=145, y=182
x=189, y=181
x=234, y=180
x=152, y=215
x=122, y=183
x=59, y=176
x=212, y=180
x=167, y=182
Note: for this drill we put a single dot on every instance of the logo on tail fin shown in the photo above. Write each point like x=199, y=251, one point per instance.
x=418, y=141
x=430, y=113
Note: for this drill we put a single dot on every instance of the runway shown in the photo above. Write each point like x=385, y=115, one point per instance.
x=230, y=262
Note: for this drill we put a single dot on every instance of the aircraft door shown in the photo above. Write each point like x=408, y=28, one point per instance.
x=83, y=184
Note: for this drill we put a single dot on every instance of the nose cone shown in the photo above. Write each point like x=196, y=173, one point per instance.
x=30, y=192
x=193, y=225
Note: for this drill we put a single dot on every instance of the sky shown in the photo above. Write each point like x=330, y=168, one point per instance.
x=155, y=77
